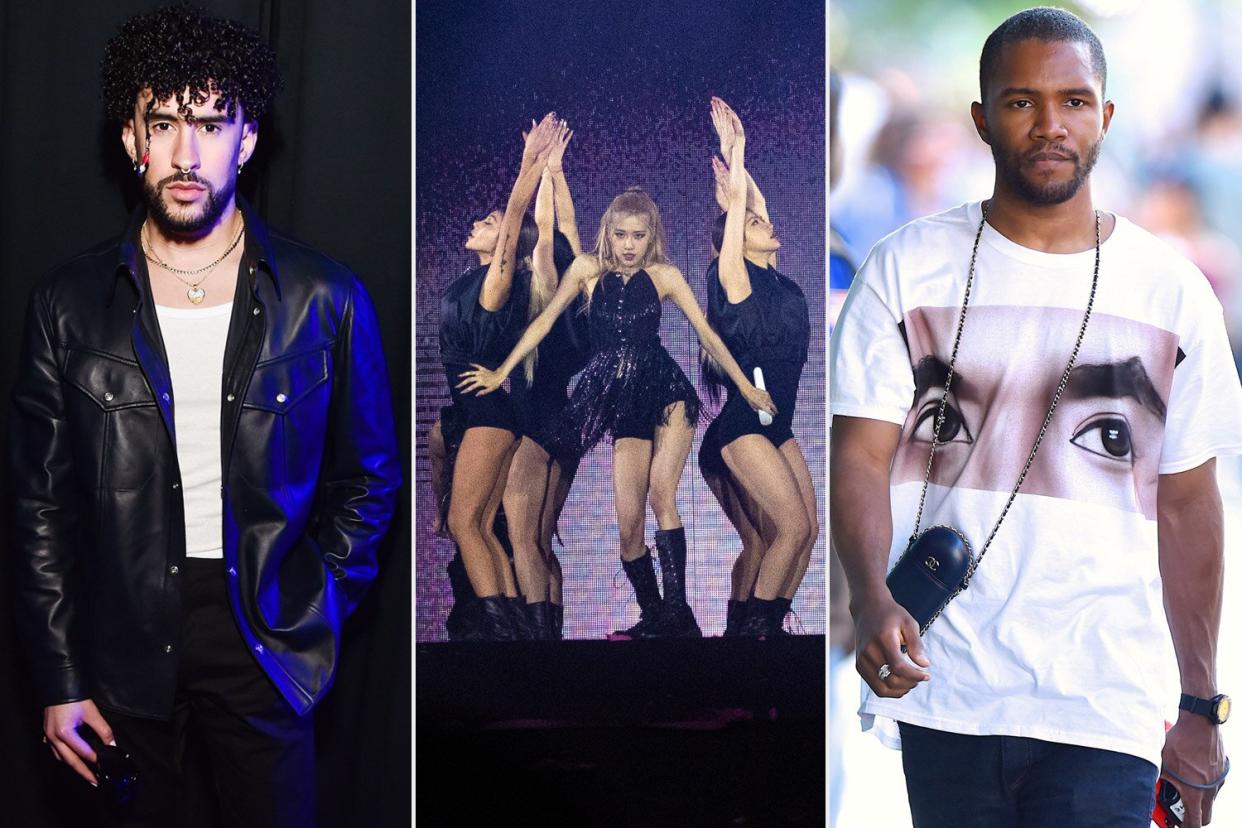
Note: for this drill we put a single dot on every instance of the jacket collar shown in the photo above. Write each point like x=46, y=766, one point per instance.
x=257, y=254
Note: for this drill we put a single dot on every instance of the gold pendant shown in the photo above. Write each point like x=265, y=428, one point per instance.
x=196, y=295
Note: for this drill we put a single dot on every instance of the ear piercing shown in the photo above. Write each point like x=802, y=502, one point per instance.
x=140, y=169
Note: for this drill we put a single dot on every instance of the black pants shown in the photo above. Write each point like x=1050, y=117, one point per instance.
x=260, y=753
x=959, y=781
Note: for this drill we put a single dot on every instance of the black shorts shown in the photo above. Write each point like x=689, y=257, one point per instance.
x=737, y=418
x=711, y=464
x=493, y=410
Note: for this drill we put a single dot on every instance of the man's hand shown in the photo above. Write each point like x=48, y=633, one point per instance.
x=1191, y=525
x=1193, y=750
x=60, y=729
x=885, y=633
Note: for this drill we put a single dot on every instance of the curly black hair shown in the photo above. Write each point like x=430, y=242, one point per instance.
x=179, y=49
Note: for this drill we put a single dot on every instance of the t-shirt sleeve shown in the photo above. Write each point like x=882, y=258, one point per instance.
x=871, y=373
x=1204, y=417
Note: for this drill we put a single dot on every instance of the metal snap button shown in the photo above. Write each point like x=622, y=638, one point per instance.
x=176, y=486
x=167, y=648
x=280, y=398
x=174, y=569
x=230, y=398
x=256, y=311
x=107, y=396
x=165, y=396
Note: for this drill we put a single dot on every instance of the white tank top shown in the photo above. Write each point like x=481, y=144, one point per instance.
x=194, y=340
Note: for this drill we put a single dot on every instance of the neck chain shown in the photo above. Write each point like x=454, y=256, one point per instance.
x=944, y=400
x=194, y=293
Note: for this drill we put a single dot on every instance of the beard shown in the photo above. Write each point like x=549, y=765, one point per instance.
x=1009, y=166
x=187, y=224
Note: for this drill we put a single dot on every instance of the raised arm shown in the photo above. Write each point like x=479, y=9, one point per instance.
x=672, y=284
x=1190, y=524
x=483, y=381
x=728, y=125
x=732, y=263
x=544, y=261
x=499, y=278
x=566, y=218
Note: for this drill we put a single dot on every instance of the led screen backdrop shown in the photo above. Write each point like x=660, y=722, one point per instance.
x=634, y=82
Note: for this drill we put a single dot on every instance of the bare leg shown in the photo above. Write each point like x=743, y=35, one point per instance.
x=797, y=464
x=670, y=449
x=746, y=567
x=631, y=470
x=526, y=495
x=500, y=559
x=766, y=478
x=560, y=483
x=482, y=462
x=440, y=477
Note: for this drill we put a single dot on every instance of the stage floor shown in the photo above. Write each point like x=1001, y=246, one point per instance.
x=600, y=733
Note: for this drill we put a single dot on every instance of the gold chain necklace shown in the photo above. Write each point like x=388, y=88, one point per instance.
x=195, y=292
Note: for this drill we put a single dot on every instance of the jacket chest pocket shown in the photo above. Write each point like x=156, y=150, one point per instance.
x=280, y=438
x=116, y=427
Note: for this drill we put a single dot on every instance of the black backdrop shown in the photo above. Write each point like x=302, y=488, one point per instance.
x=332, y=169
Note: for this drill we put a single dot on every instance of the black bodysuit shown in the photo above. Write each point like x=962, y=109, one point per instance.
x=770, y=329
x=471, y=334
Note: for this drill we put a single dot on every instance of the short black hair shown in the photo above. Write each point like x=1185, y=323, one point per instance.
x=1044, y=23
x=183, y=48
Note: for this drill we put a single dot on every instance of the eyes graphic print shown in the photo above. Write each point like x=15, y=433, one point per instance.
x=1103, y=443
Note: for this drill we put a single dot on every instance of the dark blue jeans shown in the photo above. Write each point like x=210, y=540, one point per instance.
x=962, y=781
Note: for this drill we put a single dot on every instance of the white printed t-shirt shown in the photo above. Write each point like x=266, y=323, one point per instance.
x=1062, y=635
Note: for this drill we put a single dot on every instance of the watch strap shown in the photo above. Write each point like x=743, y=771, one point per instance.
x=1200, y=706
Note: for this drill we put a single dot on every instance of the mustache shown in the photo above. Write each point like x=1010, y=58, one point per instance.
x=180, y=177
x=1051, y=151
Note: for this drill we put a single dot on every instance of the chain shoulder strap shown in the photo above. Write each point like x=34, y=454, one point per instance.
x=1056, y=397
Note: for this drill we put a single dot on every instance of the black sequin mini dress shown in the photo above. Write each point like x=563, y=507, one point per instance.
x=630, y=380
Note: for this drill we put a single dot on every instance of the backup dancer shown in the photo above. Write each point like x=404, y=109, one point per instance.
x=632, y=391
x=760, y=476
x=540, y=474
x=481, y=315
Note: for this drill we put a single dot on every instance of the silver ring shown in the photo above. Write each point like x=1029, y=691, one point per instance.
x=885, y=671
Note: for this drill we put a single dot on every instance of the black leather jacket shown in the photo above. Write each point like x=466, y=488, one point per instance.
x=308, y=455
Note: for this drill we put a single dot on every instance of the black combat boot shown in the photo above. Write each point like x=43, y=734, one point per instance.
x=558, y=622
x=764, y=619
x=676, y=617
x=641, y=573
x=495, y=619
x=734, y=616
x=464, y=615
x=518, y=618
x=539, y=617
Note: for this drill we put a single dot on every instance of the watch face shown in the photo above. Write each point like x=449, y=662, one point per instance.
x=1223, y=704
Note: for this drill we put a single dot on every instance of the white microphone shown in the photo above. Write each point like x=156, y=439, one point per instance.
x=765, y=419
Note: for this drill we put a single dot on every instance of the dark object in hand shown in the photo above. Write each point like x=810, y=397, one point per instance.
x=115, y=770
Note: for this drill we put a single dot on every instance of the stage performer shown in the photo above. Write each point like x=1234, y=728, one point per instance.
x=540, y=475
x=762, y=317
x=1057, y=384
x=482, y=312
x=634, y=392
x=202, y=449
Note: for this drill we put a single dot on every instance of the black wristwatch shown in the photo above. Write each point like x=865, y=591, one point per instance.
x=1216, y=709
